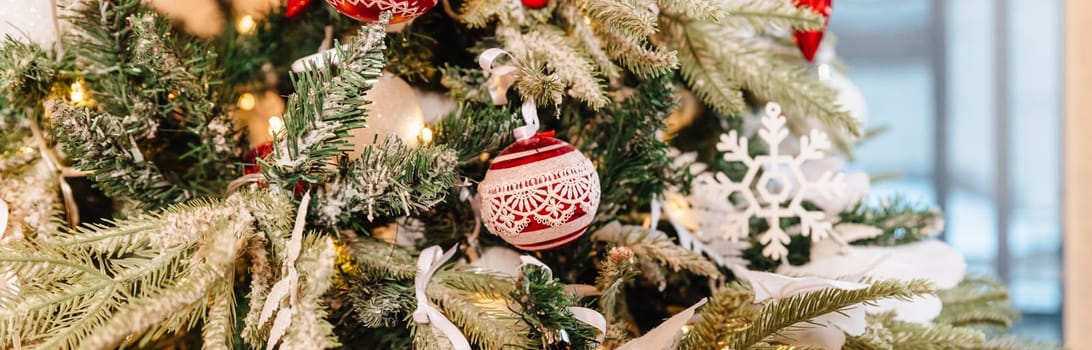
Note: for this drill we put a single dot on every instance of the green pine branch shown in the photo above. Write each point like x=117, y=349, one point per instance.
x=127, y=283
x=543, y=304
x=389, y=179
x=105, y=144
x=325, y=107
x=901, y=220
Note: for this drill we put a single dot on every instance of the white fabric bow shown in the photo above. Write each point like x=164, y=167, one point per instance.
x=502, y=78
x=427, y=264
x=663, y=336
x=582, y=314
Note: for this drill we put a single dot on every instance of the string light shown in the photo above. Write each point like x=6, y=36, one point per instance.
x=426, y=135
x=276, y=124
x=483, y=157
x=246, y=101
x=78, y=94
x=246, y=25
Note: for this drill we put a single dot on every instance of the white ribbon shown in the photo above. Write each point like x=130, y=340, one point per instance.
x=582, y=314
x=427, y=264
x=500, y=80
x=663, y=336
x=287, y=286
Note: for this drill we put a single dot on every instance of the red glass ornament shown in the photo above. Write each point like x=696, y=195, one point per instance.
x=252, y=167
x=535, y=4
x=369, y=10
x=256, y=153
x=808, y=41
x=539, y=193
x=295, y=7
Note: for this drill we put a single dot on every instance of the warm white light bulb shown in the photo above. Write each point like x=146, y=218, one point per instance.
x=426, y=135
x=276, y=125
x=247, y=101
x=77, y=94
x=246, y=25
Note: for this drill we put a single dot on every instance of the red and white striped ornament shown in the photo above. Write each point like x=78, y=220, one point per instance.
x=369, y=10
x=539, y=193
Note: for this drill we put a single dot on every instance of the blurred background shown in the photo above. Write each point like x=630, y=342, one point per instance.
x=970, y=92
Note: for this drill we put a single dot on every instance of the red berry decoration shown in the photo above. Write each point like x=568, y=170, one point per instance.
x=535, y=4
x=295, y=7
x=369, y=10
x=539, y=193
x=808, y=41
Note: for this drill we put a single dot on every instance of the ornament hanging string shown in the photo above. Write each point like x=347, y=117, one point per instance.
x=428, y=263
x=51, y=158
x=501, y=78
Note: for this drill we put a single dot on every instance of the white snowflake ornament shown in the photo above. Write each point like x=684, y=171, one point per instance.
x=773, y=188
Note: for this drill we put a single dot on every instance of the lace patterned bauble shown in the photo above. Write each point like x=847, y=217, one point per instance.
x=539, y=193
x=369, y=10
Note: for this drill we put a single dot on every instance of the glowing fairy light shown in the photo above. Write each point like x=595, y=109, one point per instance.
x=246, y=25
x=246, y=101
x=426, y=135
x=276, y=125
x=78, y=93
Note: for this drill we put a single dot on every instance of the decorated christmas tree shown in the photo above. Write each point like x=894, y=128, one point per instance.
x=485, y=174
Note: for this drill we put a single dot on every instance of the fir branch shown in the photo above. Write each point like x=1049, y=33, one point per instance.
x=381, y=303
x=164, y=85
x=465, y=298
x=977, y=302
x=543, y=304
x=636, y=55
x=140, y=288
x=901, y=220
x=388, y=179
x=764, y=14
x=656, y=247
x=908, y=335
x=475, y=129
x=27, y=73
x=717, y=69
x=478, y=13
x=626, y=18
x=700, y=67
x=696, y=9
x=720, y=318
x=631, y=161
x=319, y=116
x=105, y=145
x=591, y=43
x=738, y=324
x=381, y=260
x=549, y=51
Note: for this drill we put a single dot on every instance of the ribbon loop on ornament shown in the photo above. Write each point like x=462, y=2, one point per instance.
x=591, y=317
x=427, y=264
x=500, y=80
